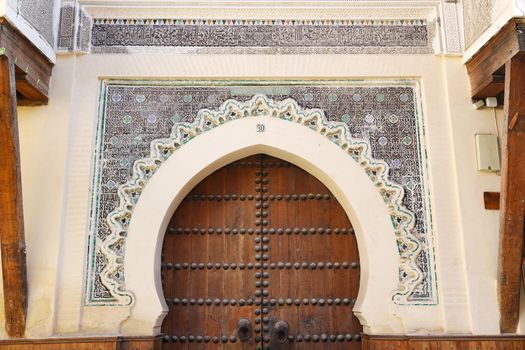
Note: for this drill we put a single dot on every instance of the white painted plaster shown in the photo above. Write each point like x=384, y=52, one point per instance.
x=451, y=315
x=480, y=226
x=43, y=148
x=346, y=10
x=3, y=5
x=234, y=140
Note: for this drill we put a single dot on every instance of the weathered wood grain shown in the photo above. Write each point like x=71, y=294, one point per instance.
x=11, y=213
x=512, y=201
x=485, y=65
x=491, y=200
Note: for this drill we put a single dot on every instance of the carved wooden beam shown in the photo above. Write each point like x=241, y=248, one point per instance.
x=504, y=56
x=486, y=68
x=33, y=69
x=12, y=240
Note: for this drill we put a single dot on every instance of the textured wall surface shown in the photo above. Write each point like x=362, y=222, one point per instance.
x=264, y=36
x=66, y=28
x=39, y=14
x=135, y=114
x=477, y=16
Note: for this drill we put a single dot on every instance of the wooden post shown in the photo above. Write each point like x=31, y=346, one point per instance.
x=512, y=200
x=11, y=216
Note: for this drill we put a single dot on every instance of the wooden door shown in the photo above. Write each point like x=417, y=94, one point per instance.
x=260, y=250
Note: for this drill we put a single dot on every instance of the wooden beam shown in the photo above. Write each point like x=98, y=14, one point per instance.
x=33, y=69
x=12, y=240
x=491, y=200
x=512, y=201
x=378, y=342
x=28, y=95
x=485, y=80
x=85, y=343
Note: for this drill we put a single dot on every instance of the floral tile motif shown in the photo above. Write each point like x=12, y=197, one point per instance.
x=386, y=116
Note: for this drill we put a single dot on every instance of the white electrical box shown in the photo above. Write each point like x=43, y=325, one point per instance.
x=487, y=151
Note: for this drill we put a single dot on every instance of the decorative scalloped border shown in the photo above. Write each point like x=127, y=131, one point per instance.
x=254, y=22
x=112, y=276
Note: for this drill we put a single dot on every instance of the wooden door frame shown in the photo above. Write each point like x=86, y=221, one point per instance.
x=293, y=143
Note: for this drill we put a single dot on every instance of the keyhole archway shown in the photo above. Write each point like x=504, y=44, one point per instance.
x=364, y=206
x=260, y=254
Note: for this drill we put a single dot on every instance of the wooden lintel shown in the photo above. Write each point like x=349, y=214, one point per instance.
x=377, y=342
x=85, y=343
x=12, y=242
x=484, y=66
x=491, y=200
x=493, y=86
x=512, y=199
x=33, y=69
x=26, y=91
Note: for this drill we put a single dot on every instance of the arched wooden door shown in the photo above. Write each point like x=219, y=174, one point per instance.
x=260, y=255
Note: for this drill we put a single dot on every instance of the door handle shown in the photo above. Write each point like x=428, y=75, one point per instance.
x=281, y=331
x=244, y=329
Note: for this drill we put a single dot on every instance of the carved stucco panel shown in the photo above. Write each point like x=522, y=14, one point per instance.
x=477, y=17
x=416, y=270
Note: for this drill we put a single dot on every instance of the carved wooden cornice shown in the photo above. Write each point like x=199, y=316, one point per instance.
x=32, y=68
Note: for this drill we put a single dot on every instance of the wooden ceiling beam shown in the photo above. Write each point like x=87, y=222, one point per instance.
x=33, y=69
x=27, y=94
x=484, y=68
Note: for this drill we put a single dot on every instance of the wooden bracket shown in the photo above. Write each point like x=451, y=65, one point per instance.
x=491, y=200
x=33, y=69
x=486, y=68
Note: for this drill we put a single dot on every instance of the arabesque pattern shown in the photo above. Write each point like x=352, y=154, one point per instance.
x=161, y=149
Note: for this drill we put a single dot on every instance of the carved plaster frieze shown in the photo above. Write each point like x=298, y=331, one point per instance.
x=74, y=30
x=409, y=247
x=262, y=36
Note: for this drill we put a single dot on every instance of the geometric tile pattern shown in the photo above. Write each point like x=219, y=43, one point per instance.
x=67, y=26
x=74, y=31
x=386, y=115
x=40, y=14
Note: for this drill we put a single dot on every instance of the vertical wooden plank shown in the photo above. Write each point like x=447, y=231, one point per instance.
x=11, y=214
x=311, y=228
x=512, y=195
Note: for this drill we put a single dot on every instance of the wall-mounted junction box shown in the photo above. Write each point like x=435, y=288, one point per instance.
x=487, y=152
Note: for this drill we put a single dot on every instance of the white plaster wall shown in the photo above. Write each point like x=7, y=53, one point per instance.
x=43, y=146
x=465, y=234
x=450, y=316
x=480, y=227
